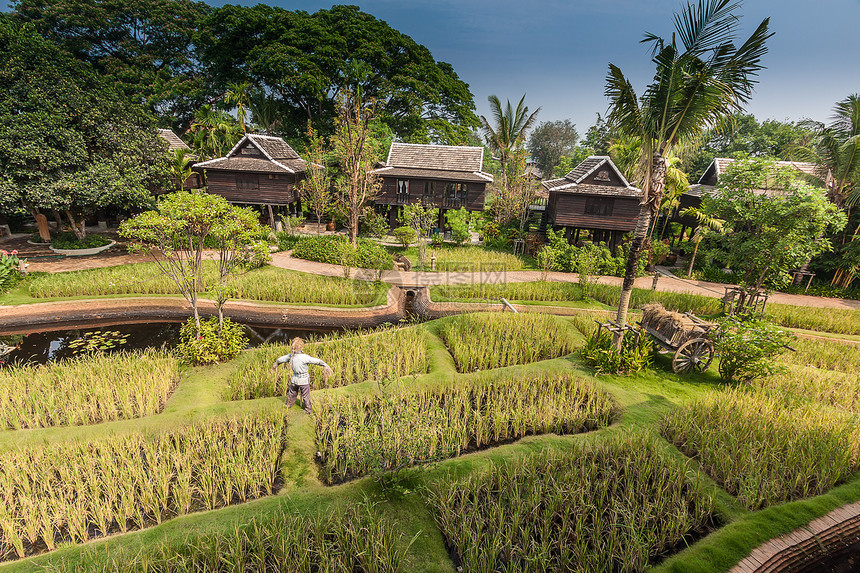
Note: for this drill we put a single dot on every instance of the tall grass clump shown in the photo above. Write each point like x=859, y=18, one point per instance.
x=615, y=506
x=837, y=389
x=87, y=390
x=354, y=358
x=824, y=354
x=74, y=492
x=474, y=258
x=267, y=284
x=763, y=449
x=835, y=320
x=352, y=540
x=359, y=435
x=491, y=340
x=532, y=291
x=585, y=323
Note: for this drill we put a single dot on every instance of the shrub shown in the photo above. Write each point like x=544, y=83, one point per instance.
x=568, y=258
x=374, y=224
x=210, y=347
x=458, y=220
x=68, y=240
x=10, y=271
x=748, y=348
x=405, y=235
x=600, y=352
x=337, y=250
x=437, y=240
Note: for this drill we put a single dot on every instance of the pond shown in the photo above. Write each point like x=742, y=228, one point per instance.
x=44, y=347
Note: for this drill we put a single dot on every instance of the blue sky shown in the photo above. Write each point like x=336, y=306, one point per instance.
x=556, y=51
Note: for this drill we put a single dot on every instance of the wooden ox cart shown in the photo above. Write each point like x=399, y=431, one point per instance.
x=685, y=335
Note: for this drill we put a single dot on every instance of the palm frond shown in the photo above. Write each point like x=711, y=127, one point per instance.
x=706, y=25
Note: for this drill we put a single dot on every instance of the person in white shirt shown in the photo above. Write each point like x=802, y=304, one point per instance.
x=301, y=379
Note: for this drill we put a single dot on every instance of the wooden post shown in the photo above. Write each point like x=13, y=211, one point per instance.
x=271, y=216
x=44, y=231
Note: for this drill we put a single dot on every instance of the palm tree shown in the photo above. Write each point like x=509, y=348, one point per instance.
x=701, y=76
x=837, y=152
x=706, y=224
x=238, y=94
x=508, y=130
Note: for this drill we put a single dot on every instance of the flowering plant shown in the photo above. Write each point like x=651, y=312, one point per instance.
x=10, y=268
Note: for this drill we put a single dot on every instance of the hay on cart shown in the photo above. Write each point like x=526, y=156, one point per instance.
x=675, y=327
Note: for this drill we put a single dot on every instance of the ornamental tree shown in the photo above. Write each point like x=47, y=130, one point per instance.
x=177, y=230
x=773, y=222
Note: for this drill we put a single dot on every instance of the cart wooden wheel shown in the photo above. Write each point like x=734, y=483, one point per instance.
x=695, y=354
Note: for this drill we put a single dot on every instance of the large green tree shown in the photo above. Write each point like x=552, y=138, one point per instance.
x=701, y=76
x=146, y=47
x=766, y=235
x=550, y=141
x=68, y=143
x=305, y=61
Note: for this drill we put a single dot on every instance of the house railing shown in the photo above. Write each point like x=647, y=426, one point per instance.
x=453, y=202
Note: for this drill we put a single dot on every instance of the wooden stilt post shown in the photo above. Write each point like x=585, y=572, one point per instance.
x=271, y=216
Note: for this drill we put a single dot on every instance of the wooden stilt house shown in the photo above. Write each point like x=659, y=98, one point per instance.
x=259, y=170
x=445, y=176
x=595, y=198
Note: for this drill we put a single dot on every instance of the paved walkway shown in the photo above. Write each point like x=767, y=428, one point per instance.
x=666, y=283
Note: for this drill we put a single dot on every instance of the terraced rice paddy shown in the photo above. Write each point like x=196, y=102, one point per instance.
x=354, y=358
x=764, y=449
x=357, y=435
x=74, y=492
x=87, y=390
x=616, y=506
x=354, y=540
x=493, y=340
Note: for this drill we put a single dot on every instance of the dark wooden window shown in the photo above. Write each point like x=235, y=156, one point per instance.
x=429, y=191
x=403, y=191
x=274, y=176
x=455, y=196
x=247, y=181
x=599, y=206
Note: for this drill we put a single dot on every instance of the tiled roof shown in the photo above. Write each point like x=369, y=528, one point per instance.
x=406, y=173
x=173, y=141
x=437, y=157
x=811, y=169
x=572, y=182
x=254, y=165
x=279, y=157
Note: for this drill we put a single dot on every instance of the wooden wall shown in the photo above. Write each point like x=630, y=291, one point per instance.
x=475, y=193
x=279, y=191
x=568, y=210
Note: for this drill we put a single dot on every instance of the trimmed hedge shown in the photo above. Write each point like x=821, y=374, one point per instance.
x=336, y=250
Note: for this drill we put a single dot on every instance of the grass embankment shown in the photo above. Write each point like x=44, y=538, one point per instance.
x=354, y=358
x=612, y=507
x=491, y=340
x=264, y=284
x=73, y=492
x=361, y=434
x=87, y=390
x=402, y=504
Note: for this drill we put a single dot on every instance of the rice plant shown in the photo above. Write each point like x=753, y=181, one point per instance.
x=474, y=258
x=616, y=506
x=77, y=491
x=763, y=449
x=492, y=340
x=824, y=354
x=531, y=291
x=354, y=358
x=836, y=320
x=87, y=390
x=267, y=283
x=352, y=540
x=837, y=389
x=359, y=435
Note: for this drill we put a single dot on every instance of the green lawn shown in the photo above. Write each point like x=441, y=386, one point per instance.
x=467, y=258
x=402, y=515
